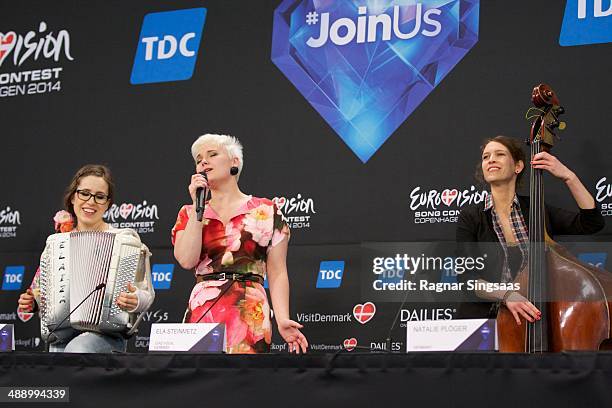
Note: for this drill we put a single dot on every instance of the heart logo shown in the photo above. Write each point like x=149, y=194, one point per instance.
x=280, y=201
x=24, y=316
x=364, y=312
x=350, y=344
x=126, y=209
x=448, y=196
x=7, y=43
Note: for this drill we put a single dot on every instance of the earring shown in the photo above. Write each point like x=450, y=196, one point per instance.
x=233, y=170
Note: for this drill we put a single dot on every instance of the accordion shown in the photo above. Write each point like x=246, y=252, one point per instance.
x=74, y=264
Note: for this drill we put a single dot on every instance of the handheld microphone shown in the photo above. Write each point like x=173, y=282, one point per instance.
x=201, y=194
x=52, y=338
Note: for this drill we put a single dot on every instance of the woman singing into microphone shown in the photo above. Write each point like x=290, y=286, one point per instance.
x=87, y=197
x=240, y=240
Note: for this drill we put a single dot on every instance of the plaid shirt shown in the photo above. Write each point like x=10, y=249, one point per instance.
x=517, y=223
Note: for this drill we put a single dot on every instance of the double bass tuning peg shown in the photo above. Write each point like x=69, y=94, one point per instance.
x=558, y=110
x=558, y=124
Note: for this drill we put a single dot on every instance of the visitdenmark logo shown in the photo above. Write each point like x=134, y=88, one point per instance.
x=364, y=312
x=366, y=66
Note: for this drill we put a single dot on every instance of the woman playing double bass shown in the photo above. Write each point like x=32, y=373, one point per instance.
x=504, y=218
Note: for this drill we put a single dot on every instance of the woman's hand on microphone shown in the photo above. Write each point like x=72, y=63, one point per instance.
x=197, y=181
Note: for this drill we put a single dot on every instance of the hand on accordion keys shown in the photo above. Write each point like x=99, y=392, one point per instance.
x=128, y=301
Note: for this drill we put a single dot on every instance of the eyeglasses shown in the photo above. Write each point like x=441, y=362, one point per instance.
x=99, y=198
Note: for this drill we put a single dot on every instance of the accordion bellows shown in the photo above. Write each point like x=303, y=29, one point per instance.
x=73, y=265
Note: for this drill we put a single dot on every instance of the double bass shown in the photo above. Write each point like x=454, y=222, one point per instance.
x=575, y=298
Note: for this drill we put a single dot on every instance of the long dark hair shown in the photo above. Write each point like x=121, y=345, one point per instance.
x=98, y=170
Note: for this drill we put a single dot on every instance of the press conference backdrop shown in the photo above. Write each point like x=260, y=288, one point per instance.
x=362, y=120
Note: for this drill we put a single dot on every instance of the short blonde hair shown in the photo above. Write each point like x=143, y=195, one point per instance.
x=231, y=145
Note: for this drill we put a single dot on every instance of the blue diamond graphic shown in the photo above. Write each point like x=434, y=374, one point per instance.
x=365, y=66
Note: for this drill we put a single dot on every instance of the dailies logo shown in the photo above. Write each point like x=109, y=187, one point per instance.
x=9, y=221
x=604, y=193
x=168, y=46
x=366, y=66
x=139, y=217
x=586, y=22
x=410, y=315
x=33, y=46
x=297, y=210
x=436, y=206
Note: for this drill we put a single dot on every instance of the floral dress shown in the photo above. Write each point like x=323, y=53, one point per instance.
x=241, y=246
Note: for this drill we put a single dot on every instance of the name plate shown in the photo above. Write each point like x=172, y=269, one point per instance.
x=7, y=337
x=452, y=335
x=188, y=337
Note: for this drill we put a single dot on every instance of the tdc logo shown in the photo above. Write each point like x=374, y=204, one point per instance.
x=168, y=46
x=365, y=65
x=330, y=274
x=586, y=22
x=162, y=275
x=13, y=277
x=597, y=259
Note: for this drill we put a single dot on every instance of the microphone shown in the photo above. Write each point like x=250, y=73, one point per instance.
x=389, y=339
x=201, y=194
x=52, y=338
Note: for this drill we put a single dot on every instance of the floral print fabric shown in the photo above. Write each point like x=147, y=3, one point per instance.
x=241, y=246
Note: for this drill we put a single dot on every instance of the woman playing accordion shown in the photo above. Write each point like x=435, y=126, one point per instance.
x=89, y=261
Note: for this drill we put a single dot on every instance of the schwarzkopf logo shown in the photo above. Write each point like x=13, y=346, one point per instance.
x=366, y=66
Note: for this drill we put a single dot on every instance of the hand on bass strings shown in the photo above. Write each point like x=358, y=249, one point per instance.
x=520, y=307
x=548, y=162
